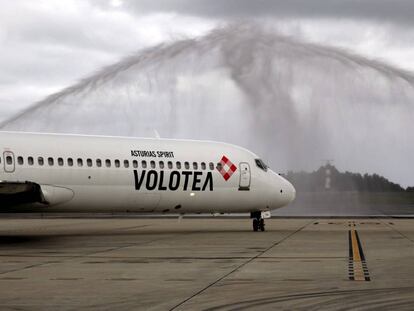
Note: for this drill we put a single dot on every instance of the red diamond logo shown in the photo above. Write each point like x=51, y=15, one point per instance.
x=226, y=168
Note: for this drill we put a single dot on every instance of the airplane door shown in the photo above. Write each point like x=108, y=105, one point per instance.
x=8, y=158
x=244, y=176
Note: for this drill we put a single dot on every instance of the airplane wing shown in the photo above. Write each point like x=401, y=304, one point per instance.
x=16, y=193
x=20, y=193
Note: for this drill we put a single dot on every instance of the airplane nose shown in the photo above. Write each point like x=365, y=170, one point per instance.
x=291, y=192
x=287, y=192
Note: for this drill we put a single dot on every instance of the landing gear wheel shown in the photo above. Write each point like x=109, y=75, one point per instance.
x=258, y=221
x=261, y=224
x=255, y=224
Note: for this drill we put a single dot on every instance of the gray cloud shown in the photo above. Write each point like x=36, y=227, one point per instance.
x=49, y=45
x=396, y=11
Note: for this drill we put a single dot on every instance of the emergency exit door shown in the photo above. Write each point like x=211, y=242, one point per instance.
x=244, y=176
x=8, y=160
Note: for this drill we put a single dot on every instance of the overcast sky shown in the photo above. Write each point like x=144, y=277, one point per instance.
x=47, y=45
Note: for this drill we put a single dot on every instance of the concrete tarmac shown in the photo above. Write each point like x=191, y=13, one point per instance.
x=206, y=264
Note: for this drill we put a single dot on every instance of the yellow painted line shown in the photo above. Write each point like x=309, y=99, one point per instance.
x=358, y=269
x=355, y=248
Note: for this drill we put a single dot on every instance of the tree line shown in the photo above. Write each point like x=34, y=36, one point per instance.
x=341, y=181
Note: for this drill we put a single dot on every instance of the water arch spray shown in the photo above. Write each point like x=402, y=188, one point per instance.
x=293, y=102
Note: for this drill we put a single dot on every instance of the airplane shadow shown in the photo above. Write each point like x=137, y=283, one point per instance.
x=23, y=239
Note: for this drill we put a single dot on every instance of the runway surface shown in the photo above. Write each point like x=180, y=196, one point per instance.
x=206, y=264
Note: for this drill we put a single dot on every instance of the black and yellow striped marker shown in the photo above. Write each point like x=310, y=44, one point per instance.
x=358, y=269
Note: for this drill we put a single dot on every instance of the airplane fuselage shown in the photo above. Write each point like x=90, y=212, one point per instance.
x=75, y=173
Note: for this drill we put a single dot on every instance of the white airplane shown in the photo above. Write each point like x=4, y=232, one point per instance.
x=77, y=173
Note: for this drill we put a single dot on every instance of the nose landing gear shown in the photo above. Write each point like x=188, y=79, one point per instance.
x=258, y=221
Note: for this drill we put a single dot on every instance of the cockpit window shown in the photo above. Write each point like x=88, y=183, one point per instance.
x=261, y=164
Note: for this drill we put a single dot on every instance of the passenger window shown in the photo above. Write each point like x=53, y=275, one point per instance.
x=186, y=165
x=89, y=162
x=219, y=166
x=203, y=166
x=117, y=163
x=60, y=161
x=20, y=160
x=161, y=164
x=98, y=162
x=152, y=163
x=108, y=163
x=126, y=163
x=9, y=160
x=80, y=162
x=30, y=160
x=135, y=163
x=178, y=165
x=144, y=164
x=40, y=161
x=195, y=165
x=50, y=161
x=170, y=165
x=211, y=166
x=70, y=162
